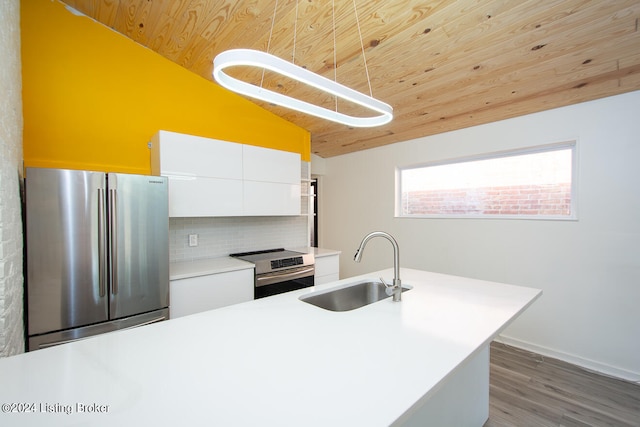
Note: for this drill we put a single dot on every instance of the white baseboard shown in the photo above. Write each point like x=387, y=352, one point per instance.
x=590, y=365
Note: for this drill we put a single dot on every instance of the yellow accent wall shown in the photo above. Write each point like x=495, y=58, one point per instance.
x=93, y=98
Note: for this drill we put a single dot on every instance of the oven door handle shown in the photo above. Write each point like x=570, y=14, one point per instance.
x=271, y=278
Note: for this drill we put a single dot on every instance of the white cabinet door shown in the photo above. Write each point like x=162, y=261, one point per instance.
x=205, y=175
x=189, y=155
x=202, y=293
x=269, y=198
x=271, y=181
x=269, y=165
x=327, y=269
x=202, y=197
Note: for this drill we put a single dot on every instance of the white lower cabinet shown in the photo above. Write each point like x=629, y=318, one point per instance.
x=327, y=269
x=202, y=293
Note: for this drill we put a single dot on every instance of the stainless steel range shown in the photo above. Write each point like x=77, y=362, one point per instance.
x=279, y=270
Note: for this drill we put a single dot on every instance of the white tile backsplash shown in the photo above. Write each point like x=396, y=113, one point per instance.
x=222, y=236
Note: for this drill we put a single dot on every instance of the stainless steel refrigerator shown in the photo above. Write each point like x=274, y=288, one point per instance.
x=97, y=253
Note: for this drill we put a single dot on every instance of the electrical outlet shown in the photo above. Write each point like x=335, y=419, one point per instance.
x=193, y=240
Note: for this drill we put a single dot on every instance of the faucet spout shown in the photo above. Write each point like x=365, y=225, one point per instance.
x=397, y=284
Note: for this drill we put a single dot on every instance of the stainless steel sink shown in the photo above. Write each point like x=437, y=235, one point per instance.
x=349, y=297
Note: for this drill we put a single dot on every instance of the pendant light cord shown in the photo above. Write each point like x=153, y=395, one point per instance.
x=366, y=69
x=335, y=60
x=273, y=20
x=295, y=33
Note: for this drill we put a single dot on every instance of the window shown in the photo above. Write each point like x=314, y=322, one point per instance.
x=532, y=183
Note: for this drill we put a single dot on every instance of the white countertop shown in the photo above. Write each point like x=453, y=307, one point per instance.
x=317, y=252
x=205, y=266
x=274, y=361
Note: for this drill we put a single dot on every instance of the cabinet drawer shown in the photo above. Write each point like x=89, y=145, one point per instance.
x=321, y=280
x=202, y=293
x=327, y=265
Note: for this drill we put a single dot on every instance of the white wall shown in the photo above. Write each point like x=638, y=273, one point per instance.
x=11, y=289
x=588, y=269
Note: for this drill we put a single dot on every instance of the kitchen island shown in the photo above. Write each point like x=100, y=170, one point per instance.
x=280, y=361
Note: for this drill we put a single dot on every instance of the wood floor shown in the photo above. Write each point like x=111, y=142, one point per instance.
x=527, y=389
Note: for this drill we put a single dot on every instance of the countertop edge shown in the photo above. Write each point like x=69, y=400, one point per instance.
x=317, y=252
x=206, y=266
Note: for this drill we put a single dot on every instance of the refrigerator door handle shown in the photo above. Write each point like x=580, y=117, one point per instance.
x=113, y=229
x=102, y=245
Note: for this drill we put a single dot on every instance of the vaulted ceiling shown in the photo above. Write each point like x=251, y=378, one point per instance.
x=441, y=64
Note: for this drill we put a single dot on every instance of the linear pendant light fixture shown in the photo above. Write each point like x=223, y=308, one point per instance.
x=254, y=58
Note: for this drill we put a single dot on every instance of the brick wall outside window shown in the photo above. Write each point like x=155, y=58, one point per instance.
x=536, y=200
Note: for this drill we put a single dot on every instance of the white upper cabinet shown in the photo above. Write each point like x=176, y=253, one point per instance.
x=187, y=155
x=202, y=197
x=205, y=175
x=269, y=198
x=271, y=181
x=209, y=177
x=269, y=165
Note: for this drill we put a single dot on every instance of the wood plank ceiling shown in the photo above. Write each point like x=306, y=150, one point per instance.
x=441, y=64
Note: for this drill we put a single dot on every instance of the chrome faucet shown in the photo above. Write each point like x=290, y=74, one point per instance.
x=396, y=288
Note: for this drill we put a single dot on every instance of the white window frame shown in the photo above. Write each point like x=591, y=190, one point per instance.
x=573, y=145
